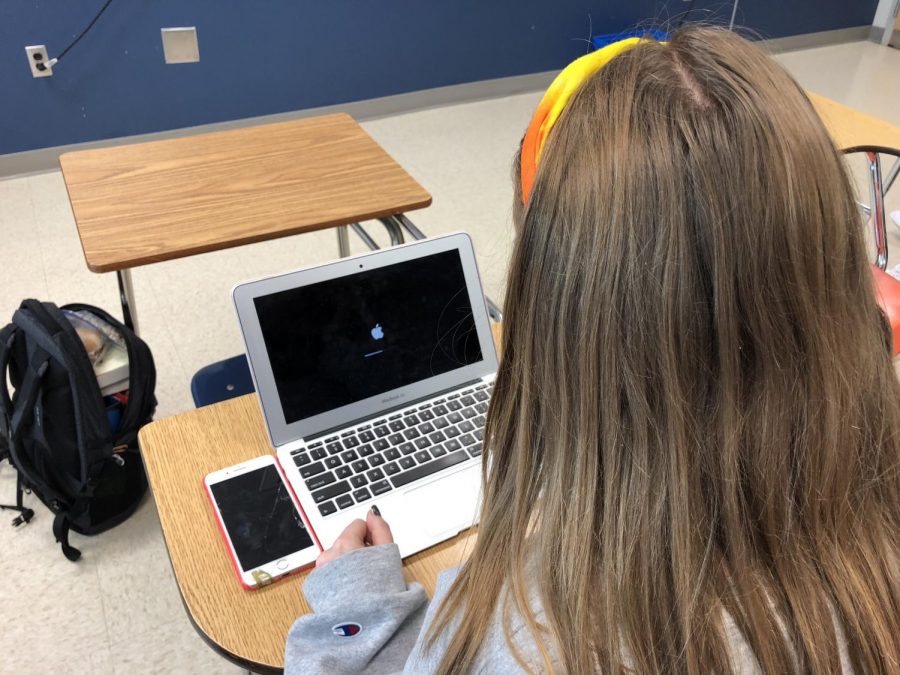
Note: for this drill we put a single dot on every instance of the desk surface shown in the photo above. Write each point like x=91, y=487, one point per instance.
x=148, y=202
x=248, y=626
x=851, y=128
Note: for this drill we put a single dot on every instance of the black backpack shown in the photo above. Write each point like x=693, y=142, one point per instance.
x=55, y=430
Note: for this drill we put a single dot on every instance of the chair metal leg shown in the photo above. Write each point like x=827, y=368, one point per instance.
x=126, y=297
x=393, y=230
x=876, y=190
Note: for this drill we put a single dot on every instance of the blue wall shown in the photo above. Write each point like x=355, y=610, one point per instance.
x=268, y=56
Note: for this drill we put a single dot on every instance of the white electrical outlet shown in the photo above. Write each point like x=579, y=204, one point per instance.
x=180, y=44
x=37, y=54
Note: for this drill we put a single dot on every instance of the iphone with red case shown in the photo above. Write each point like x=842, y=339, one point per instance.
x=265, y=529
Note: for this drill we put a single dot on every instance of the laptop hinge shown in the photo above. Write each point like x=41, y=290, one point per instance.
x=388, y=411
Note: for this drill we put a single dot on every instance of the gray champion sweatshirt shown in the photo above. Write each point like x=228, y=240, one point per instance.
x=367, y=619
x=365, y=587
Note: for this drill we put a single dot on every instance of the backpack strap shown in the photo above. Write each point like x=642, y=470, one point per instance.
x=7, y=336
x=61, y=534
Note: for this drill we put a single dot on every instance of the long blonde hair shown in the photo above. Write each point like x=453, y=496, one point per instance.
x=695, y=416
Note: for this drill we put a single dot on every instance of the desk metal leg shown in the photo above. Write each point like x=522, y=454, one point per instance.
x=365, y=236
x=126, y=297
x=343, y=237
x=393, y=229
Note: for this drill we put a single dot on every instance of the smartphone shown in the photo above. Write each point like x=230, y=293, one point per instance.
x=263, y=525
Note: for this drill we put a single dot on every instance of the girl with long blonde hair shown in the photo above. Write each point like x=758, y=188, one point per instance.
x=692, y=461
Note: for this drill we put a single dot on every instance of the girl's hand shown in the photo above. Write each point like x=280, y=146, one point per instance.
x=372, y=531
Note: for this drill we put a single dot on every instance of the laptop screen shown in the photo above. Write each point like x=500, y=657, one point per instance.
x=336, y=342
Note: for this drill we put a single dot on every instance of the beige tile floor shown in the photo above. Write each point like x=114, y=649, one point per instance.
x=118, y=609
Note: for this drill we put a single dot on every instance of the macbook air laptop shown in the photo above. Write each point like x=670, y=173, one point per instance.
x=374, y=375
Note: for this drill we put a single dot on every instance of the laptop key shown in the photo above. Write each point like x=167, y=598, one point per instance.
x=360, y=465
x=452, y=432
x=391, y=468
x=422, y=443
x=467, y=439
x=478, y=421
x=440, y=410
x=438, y=450
x=426, y=428
x=320, y=481
x=314, y=445
x=466, y=426
x=365, y=450
x=395, y=417
x=395, y=439
x=327, y=508
x=382, y=431
x=407, y=448
x=333, y=462
x=455, y=418
x=428, y=468
x=441, y=422
x=397, y=425
x=481, y=386
x=422, y=456
x=362, y=495
x=351, y=442
x=407, y=462
x=311, y=469
x=426, y=415
x=344, y=501
x=380, y=488
x=366, y=436
x=412, y=420
x=437, y=437
x=375, y=475
x=376, y=460
x=333, y=448
x=481, y=407
x=468, y=413
x=452, y=445
x=331, y=491
x=359, y=481
x=481, y=396
x=475, y=450
x=410, y=434
x=467, y=400
x=453, y=396
x=349, y=456
x=318, y=453
x=343, y=472
x=392, y=453
x=380, y=444
x=301, y=459
x=479, y=434
x=454, y=405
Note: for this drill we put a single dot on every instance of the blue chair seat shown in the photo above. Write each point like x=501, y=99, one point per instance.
x=221, y=381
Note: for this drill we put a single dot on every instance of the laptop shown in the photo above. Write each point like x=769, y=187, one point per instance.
x=374, y=375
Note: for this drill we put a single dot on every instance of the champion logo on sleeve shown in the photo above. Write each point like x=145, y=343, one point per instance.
x=346, y=629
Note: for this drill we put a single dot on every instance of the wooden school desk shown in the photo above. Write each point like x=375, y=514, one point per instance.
x=247, y=627
x=147, y=202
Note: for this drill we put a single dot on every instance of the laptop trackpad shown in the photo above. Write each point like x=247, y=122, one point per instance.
x=445, y=506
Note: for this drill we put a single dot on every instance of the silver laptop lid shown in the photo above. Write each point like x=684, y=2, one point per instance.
x=350, y=339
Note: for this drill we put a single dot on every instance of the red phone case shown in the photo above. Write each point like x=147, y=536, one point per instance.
x=226, y=540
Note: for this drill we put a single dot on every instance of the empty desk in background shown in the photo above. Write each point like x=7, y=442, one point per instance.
x=148, y=202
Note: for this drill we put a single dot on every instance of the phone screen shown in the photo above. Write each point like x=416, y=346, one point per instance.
x=260, y=517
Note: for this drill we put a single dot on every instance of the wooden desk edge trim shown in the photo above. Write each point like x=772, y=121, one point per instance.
x=140, y=261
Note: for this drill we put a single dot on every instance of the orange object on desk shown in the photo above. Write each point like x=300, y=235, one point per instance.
x=887, y=290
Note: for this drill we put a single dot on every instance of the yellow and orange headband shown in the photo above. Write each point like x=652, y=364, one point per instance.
x=555, y=100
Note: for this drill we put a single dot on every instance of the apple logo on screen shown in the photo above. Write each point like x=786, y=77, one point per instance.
x=378, y=332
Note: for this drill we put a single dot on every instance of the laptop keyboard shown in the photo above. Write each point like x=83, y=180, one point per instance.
x=391, y=452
